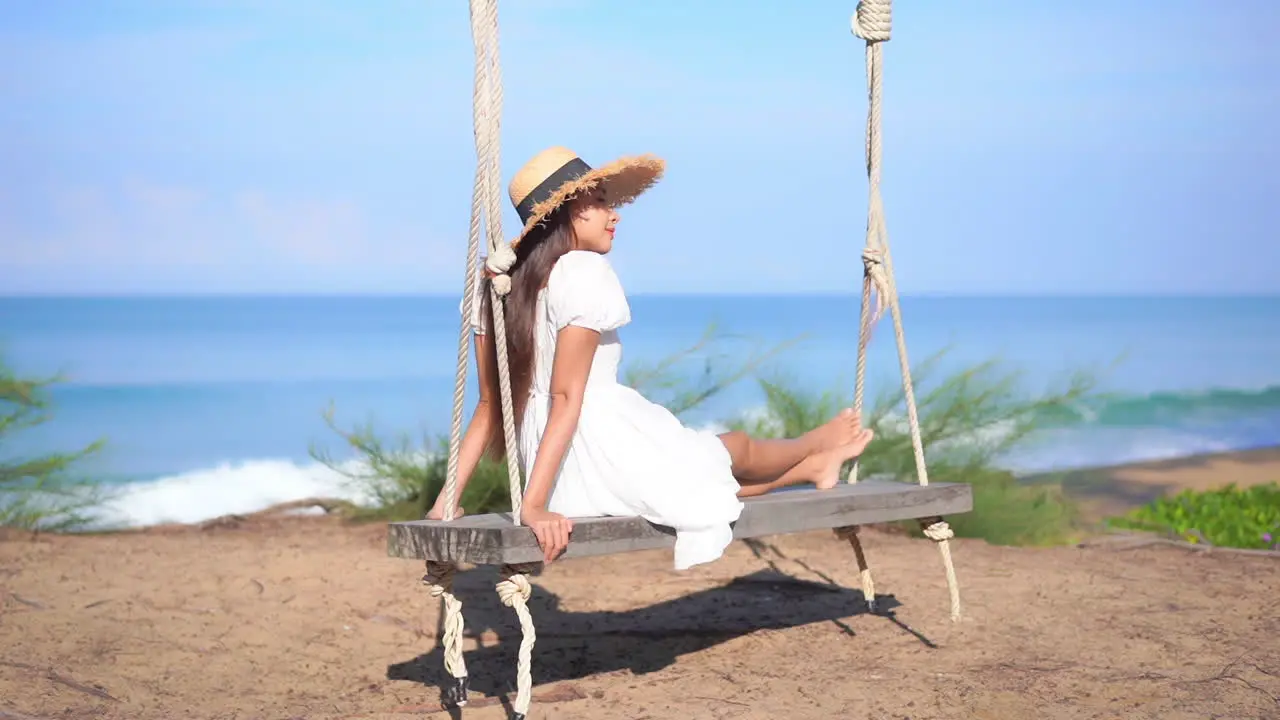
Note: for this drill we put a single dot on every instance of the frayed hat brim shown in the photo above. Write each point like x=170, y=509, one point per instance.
x=623, y=180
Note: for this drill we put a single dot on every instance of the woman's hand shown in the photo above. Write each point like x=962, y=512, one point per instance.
x=551, y=529
x=437, y=510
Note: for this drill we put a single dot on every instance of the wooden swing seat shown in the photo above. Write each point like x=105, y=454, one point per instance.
x=494, y=540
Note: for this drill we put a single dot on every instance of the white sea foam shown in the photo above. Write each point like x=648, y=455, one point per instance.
x=229, y=488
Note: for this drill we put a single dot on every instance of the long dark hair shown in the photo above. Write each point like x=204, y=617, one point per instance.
x=536, y=255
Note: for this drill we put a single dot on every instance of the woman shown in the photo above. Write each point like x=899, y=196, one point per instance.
x=588, y=445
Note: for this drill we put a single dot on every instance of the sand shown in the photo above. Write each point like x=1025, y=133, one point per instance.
x=305, y=617
x=1107, y=491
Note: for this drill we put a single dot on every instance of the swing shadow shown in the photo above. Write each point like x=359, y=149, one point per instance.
x=575, y=645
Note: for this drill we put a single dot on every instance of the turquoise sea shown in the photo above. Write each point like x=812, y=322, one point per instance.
x=209, y=404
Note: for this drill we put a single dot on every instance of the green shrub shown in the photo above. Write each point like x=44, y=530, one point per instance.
x=39, y=493
x=1006, y=512
x=968, y=420
x=402, y=483
x=1228, y=517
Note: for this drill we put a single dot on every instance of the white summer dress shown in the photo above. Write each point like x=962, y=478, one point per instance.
x=628, y=456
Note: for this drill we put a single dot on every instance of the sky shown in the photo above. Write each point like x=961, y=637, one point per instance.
x=325, y=146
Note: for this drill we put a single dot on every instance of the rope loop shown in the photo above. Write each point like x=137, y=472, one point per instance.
x=498, y=263
x=501, y=284
x=501, y=259
x=938, y=530
x=514, y=590
x=872, y=257
x=514, y=585
x=439, y=578
x=873, y=266
x=873, y=20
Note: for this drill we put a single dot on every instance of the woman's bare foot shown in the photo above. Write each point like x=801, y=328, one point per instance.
x=834, y=433
x=825, y=466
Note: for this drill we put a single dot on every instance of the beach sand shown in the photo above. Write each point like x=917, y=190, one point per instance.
x=305, y=617
x=1107, y=491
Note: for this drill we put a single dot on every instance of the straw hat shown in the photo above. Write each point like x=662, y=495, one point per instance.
x=557, y=174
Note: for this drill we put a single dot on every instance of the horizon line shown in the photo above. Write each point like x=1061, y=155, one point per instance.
x=939, y=295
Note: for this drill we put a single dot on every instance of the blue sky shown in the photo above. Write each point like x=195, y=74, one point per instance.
x=325, y=145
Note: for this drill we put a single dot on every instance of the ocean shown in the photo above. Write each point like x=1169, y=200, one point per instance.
x=211, y=405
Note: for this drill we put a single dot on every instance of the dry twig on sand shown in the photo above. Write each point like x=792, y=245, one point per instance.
x=328, y=505
x=54, y=676
x=1132, y=542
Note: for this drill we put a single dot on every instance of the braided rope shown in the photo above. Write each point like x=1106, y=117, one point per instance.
x=873, y=22
x=860, y=377
x=937, y=530
x=479, y=194
x=486, y=114
x=484, y=27
x=850, y=533
x=514, y=590
x=439, y=579
x=464, y=338
x=514, y=484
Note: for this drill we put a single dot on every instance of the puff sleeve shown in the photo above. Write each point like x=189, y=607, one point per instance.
x=584, y=291
x=476, y=321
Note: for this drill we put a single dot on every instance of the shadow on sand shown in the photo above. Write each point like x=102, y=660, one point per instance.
x=575, y=645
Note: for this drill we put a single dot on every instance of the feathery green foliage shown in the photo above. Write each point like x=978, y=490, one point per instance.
x=968, y=420
x=41, y=492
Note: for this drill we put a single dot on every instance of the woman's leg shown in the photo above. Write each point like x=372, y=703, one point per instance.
x=821, y=468
x=757, y=461
x=764, y=465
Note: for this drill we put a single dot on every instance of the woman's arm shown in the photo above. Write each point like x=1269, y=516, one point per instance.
x=575, y=349
x=479, y=430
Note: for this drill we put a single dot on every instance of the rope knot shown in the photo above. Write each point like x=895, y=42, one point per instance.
x=938, y=531
x=498, y=263
x=439, y=578
x=873, y=20
x=873, y=267
x=513, y=586
x=501, y=284
x=500, y=260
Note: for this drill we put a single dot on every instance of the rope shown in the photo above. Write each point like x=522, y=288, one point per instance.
x=485, y=129
x=514, y=485
x=873, y=22
x=937, y=530
x=439, y=578
x=850, y=533
x=464, y=332
x=439, y=575
x=484, y=31
x=514, y=591
x=485, y=199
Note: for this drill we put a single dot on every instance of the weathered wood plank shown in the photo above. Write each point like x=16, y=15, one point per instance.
x=493, y=539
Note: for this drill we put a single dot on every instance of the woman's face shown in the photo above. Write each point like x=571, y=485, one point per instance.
x=594, y=222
